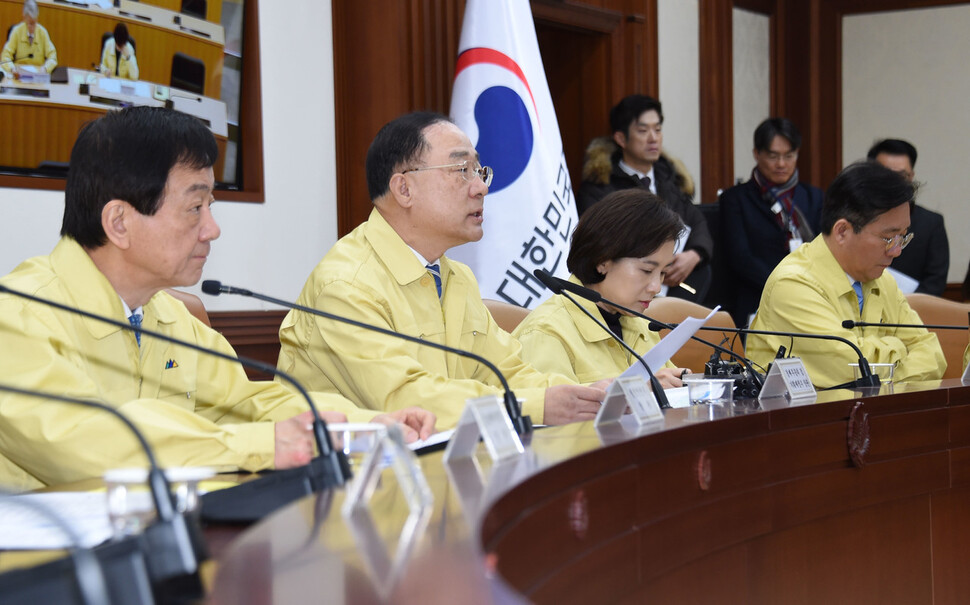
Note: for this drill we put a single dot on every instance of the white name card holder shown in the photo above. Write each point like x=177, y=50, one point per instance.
x=632, y=392
x=406, y=468
x=487, y=418
x=789, y=377
x=965, y=379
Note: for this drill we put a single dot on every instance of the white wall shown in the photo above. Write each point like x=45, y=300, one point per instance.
x=751, y=55
x=268, y=247
x=904, y=75
x=677, y=32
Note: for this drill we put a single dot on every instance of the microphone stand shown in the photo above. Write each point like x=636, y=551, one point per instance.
x=252, y=500
x=522, y=424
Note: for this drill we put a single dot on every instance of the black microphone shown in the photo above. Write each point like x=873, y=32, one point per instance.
x=593, y=296
x=866, y=378
x=553, y=283
x=848, y=324
x=522, y=424
x=252, y=500
x=172, y=545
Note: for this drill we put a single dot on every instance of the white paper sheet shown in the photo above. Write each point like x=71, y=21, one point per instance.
x=24, y=529
x=670, y=344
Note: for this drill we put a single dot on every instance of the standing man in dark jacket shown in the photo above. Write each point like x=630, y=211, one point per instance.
x=767, y=217
x=927, y=257
x=634, y=158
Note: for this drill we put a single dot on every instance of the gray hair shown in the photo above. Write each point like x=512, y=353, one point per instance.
x=30, y=9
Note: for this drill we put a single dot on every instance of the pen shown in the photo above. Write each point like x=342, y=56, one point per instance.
x=688, y=288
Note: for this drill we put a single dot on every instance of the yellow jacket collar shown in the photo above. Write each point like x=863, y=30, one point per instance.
x=401, y=262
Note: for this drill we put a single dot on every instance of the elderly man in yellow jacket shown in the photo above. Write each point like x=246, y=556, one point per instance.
x=136, y=221
x=841, y=275
x=29, y=46
x=428, y=190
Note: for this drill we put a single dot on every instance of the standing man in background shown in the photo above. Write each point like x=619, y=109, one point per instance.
x=634, y=157
x=927, y=258
x=767, y=217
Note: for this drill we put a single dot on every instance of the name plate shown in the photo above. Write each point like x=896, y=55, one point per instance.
x=632, y=392
x=789, y=377
x=487, y=418
x=389, y=447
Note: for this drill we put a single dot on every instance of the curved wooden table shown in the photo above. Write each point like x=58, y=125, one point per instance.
x=737, y=505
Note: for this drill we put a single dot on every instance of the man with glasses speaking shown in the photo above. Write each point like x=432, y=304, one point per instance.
x=428, y=190
x=840, y=275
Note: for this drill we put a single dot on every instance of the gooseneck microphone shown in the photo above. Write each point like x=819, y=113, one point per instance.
x=866, y=377
x=848, y=324
x=553, y=283
x=252, y=500
x=522, y=424
x=173, y=545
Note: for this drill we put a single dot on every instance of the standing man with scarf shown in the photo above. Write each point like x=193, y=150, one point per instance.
x=767, y=217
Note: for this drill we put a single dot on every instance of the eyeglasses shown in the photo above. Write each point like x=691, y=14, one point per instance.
x=772, y=156
x=897, y=240
x=467, y=172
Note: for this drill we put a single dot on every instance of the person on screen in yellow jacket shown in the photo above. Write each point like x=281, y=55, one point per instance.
x=137, y=220
x=118, y=56
x=29, y=44
x=840, y=275
x=428, y=188
x=621, y=248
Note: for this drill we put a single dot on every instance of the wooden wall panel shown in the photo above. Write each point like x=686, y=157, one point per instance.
x=395, y=56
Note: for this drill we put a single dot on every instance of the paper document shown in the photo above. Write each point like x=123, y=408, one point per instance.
x=678, y=248
x=670, y=344
x=435, y=439
x=24, y=529
x=906, y=283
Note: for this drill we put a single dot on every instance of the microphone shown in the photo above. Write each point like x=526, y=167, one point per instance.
x=172, y=546
x=866, y=377
x=252, y=500
x=553, y=283
x=522, y=424
x=848, y=324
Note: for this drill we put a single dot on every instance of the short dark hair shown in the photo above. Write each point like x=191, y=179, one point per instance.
x=629, y=109
x=862, y=192
x=398, y=143
x=766, y=132
x=894, y=147
x=630, y=223
x=127, y=155
x=121, y=35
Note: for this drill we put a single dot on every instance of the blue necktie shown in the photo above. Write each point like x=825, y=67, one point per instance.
x=135, y=320
x=436, y=273
x=645, y=181
x=858, y=293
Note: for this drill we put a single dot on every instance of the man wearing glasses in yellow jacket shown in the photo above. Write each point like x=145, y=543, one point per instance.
x=841, y=275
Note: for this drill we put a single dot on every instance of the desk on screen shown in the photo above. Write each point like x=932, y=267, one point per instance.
x=40, y=122
x=76, y=30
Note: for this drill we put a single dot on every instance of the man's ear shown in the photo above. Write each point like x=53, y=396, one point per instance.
x=115, y=218
x=620, y=139
x=400, y=191
x=841, y=230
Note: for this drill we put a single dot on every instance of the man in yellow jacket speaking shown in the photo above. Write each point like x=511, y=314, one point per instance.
x=137, y=220
x=428, y=189
x=840, y=275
